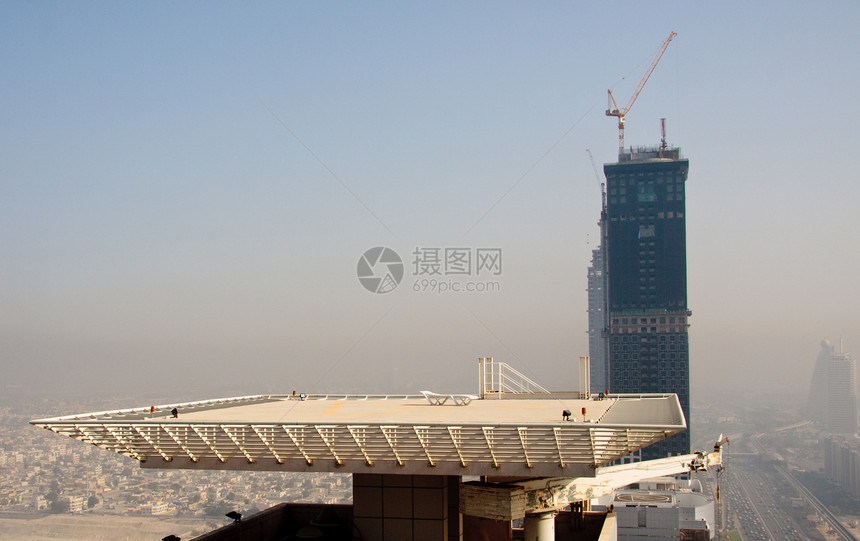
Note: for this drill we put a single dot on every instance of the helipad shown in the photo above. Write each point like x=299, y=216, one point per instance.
x=520, y=434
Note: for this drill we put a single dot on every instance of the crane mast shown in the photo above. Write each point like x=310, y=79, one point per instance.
x=616, y=111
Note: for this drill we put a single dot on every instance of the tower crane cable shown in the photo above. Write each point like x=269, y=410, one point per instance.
x=614, y=110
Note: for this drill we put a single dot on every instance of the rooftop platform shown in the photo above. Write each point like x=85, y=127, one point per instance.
x=395, y=434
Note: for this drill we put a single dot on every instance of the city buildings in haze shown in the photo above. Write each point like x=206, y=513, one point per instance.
x=832, y=391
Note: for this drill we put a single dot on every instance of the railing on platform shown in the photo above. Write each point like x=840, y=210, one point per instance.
x=200, y=405
x=496, y=378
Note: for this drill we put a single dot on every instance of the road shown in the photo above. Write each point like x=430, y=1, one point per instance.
x=840, y=530
x=770, y=523
x=751, y=508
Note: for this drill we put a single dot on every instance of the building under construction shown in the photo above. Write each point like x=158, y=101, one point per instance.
x=637, y=283
x=646, y=280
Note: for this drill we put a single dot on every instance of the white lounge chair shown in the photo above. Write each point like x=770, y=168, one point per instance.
x=437, y=399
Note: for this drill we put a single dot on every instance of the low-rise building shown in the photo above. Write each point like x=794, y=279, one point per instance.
x=156, y=508
x=76, y=504
x=662, y=508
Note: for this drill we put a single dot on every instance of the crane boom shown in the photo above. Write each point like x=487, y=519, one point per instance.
x=614, y=110
x=518, y=498
x=555, y=493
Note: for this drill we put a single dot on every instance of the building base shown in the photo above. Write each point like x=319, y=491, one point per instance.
x=407, y=507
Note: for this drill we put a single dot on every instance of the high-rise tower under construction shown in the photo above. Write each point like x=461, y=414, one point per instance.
x=646, y=280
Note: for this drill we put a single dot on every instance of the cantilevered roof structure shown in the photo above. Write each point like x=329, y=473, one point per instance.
x=516, y=434
x=407, y=453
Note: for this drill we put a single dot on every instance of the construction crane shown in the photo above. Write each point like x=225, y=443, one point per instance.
x=614, y=110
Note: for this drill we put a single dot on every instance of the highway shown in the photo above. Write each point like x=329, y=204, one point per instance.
x=753, y=509
x=838, y=528
x=841, y=531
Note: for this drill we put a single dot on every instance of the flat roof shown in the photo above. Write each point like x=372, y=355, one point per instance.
x=417, y=410
x=384, y=434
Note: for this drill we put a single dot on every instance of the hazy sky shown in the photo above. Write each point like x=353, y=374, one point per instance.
x=186, y=188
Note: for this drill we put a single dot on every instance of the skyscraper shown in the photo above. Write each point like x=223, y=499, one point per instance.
x=597, y=323
x=816, y=408
x=646, y=280
x=841, y=394
x=832, y=392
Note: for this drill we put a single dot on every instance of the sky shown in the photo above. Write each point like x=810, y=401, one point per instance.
x=186, y=189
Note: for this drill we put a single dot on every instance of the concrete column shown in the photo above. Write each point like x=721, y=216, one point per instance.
x=540, y=527
x=455, y=518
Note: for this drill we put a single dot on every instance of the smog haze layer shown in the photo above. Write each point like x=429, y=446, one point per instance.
x=187, y=190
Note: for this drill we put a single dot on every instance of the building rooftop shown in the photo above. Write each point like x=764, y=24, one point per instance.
x=495, y=435
x=655, y=153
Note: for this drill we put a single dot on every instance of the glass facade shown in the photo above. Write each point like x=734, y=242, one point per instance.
x=647, y=282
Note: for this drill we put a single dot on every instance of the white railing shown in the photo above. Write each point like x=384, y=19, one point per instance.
x=496, y=378
x=200, y=405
